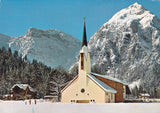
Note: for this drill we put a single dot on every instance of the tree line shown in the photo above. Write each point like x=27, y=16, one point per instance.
x=17, y=70
x=154, y=91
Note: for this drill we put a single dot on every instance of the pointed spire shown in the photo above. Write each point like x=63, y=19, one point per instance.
x=84, y=41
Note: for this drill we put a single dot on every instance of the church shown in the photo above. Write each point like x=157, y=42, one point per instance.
x=88, y=87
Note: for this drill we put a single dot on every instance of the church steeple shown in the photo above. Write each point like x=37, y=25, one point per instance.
x=84, y=60
x=84, y=41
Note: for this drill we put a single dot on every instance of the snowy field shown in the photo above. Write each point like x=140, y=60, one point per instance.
x=48, y=107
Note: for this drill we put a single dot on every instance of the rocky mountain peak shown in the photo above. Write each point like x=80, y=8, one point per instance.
x=128, y=45
x=32, y=31
x=135, y=12
x=137, y=6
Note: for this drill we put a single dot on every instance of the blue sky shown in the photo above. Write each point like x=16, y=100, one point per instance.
x=17, y=16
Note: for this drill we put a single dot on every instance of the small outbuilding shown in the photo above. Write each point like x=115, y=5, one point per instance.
x=22, y=92
x=51, y=98
x=144, y=96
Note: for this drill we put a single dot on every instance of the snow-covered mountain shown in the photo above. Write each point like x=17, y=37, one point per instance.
x=128, y=46
x=4, y=40
x=52, y=47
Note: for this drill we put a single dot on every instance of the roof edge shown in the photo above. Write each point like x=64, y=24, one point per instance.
x=113, y=90
x=110, y=78
x=69, y=83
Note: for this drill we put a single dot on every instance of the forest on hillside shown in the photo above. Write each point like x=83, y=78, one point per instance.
x=14, y=69
x=45, y=80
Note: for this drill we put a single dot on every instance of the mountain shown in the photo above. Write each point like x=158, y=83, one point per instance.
x=4, y=40
x=52, y=47
x=128, y=47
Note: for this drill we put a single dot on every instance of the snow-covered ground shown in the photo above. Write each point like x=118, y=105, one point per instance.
x=48, y=107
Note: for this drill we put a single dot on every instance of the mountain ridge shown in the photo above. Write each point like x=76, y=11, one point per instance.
x=52, y=47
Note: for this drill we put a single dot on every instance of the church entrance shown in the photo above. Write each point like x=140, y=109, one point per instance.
x=82, y=101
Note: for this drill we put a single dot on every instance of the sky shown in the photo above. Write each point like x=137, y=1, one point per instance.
x=17, y=16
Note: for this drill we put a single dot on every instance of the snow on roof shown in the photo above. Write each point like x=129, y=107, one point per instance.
x=110, y=78
x=102, y=84
x=23, y=86
x=47, y=96
x=145, y=94
x=29, y=95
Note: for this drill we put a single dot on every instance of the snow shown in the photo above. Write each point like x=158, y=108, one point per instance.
x=11, y=41
x=135, y=83
x=145, y=95
x=25, y=45
x=133, y=12
x=112, y=55
x=23, y=86
x=157, y=42
x=102, y=84
x=48, y=107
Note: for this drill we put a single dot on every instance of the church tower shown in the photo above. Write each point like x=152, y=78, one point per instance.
x=84, y=59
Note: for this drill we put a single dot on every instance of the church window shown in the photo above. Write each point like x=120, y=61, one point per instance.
x=82, y=64
x=82, y=61
x=82, y=90
x=72, y=100
x=92, y=100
